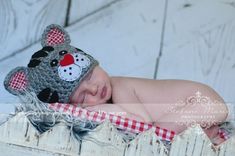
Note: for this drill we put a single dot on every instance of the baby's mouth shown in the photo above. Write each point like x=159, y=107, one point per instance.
x=103, y=92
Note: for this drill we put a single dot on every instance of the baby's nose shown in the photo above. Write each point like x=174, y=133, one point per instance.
x=92, y=89
x=67, y=60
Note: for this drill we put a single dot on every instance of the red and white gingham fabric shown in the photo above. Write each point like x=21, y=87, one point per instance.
x=55, y=36
x=118, y=121
x=18, y=81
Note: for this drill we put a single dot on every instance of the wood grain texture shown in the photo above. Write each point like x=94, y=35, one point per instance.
x=15, y=150
x=59, y=138
x=146, y=143
x=19, y=137
x=124, y=45
x=124, y=37
x=199, y=44
x=193, y=142
x=18, y=132
x=22, y=22
x=226, y=148
x=105, y=140
x=80, y=8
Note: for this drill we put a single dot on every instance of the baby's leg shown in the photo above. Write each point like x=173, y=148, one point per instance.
x=206, y=114
x=212, y=133
x=116, y=110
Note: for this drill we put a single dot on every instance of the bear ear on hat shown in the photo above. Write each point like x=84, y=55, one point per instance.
x=16, y=81
x=54, y=35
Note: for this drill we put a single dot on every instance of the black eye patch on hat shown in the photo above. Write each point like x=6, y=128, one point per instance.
x=54, y=71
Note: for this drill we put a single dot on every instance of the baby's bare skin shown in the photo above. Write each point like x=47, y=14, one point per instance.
x=151, y=101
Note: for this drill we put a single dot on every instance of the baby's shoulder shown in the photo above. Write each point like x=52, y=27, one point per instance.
x=123, y=90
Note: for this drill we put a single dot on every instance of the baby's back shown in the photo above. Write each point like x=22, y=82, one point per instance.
x=155, y=97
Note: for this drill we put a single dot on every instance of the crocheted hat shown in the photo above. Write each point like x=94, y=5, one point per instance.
x=53, y=72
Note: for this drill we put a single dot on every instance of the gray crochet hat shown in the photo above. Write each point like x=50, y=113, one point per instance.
x=53, y=72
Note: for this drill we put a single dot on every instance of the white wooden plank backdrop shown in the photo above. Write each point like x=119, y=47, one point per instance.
x=124, y=37
x=22, y=22
x=124, y=45
x=199, y=44
x=80, y=9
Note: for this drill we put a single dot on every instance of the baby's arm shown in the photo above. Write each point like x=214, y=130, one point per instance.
x=116, y=110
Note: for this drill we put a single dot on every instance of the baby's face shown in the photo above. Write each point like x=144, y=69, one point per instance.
x=94, y=89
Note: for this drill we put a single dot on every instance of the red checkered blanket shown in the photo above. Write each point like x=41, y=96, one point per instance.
x=118, y=121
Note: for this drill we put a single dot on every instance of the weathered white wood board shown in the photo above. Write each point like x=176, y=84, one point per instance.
x=199, y=44
x=124, y=37
x=19, y=137
x=104, y=141
x=124, y=45
x=80, y=9
x=194, y=142
x=147, y=144
x=22, y=22
x=18, y=131
x=16, y=150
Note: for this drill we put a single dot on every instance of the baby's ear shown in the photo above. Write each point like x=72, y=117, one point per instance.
x=16, y=81
x=54, y=35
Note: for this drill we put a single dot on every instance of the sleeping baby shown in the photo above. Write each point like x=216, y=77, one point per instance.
x=62, y=73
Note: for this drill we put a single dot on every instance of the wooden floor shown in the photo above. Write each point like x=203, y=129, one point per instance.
x=160, y=39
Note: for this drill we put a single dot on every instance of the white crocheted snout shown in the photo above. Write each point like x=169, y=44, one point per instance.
x=73, y=71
